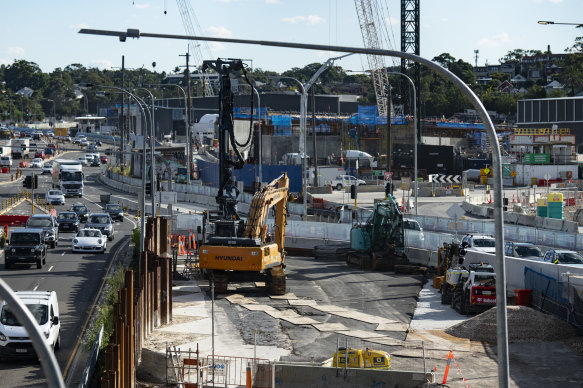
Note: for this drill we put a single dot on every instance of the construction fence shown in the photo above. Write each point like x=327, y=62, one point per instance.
x=145, y=302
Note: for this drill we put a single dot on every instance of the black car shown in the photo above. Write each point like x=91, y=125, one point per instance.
x=98, y=143
x=25, y=246
x=95, y=162
x=114, y=210
x=68, y=221
x=81, y=210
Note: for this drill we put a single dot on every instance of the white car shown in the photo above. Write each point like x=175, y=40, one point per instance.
x=47, y=168
x=55, y=197
x=37, y=163
x=89, y=240
x=82, y=160
x=5, y=161
x=84, y=143
x=14, y=339
x=479, y=242
x=342, y=181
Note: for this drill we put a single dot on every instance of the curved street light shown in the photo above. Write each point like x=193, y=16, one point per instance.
x=547, y=22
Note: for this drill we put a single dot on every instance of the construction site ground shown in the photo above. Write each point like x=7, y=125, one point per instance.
x=287, y=324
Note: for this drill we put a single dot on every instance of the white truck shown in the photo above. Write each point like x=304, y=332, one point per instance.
x=20, y=148
x=68, y=177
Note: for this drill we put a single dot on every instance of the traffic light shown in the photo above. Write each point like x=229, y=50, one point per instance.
x=148, y=188
x=27, y=182
x=353, y=192
x=23, y=147
x=387, y=189
x=36, y=181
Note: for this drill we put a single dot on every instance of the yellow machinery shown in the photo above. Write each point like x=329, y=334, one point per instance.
x=231, y=246
x=358, y=358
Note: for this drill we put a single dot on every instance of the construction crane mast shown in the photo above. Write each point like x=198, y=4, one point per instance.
x=188, y=17
x=368, y=18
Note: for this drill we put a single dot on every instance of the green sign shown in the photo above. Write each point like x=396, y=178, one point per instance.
x=377, y=172
x=506, y=170
x=537, y=158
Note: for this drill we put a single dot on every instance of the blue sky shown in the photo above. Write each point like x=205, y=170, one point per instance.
x=45, y=32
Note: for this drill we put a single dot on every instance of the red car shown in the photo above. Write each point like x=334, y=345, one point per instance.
x=39, y=154
x=103, y=159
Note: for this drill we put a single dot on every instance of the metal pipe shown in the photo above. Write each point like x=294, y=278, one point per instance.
x=502, y=328
x=414, y=132
x=45, y=354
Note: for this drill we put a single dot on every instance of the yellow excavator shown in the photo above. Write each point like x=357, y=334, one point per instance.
x=227, y=250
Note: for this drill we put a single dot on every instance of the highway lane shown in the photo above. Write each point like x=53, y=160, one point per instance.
x=75, y=277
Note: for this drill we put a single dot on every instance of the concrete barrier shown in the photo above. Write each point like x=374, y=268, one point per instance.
x=293, y=375
x=425, y=257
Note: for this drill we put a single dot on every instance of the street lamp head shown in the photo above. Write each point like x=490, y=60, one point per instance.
x=545, y=22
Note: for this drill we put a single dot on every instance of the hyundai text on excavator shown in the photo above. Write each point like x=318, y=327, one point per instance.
x=229, y=244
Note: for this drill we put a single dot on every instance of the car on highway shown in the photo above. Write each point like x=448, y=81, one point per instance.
x=37, y=135
x=103, y=159
x=89, y=240
x=14, y=339
x=479, y=242
x=55, y=197
x=67, y=139
x=25, y=246
x=49, y=152
x=563, y=256
x=92, y=147
x=52, y=145
x=84, y=143
x=47, y=168
x=39, y=154
x=82, y=160
x=523, y=250
x=114, y=210
x=98, y=143
x=48, y=224
x=5, y=161
x=36, y=163
x=342, y=181
x=95, y=162
x=68, y=222
x=103, y=222
x=81, y=211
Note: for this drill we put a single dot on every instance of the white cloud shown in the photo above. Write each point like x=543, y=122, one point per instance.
x=101, y=64
x=216, y=46
x=309, y=20
x=444, y=20
x=141, y=6
x=78, y=26
x=15, y=50
x=219, y=32
x=495, y=40
x=391, y=21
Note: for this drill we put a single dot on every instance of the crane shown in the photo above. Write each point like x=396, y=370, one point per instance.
x=368, y=13
x=188, y=17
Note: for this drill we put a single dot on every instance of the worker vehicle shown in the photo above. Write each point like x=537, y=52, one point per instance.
x=14, y=339
x=469, y=290
x=358, y=358
x=379, y=243
x=231, y=246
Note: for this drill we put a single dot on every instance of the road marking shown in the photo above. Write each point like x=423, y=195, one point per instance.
x=63, y=254
x=50, y=269
x=36, y=287
x=119, y=249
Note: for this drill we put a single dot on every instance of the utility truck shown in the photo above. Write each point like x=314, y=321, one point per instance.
x=469, y=290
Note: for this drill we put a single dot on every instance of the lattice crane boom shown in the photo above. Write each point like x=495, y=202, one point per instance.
x=196, y=48
x=366, y=11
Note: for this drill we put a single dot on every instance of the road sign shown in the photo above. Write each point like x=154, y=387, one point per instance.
x=388, y=175
x=513, y=174
x=486, y=171
x=438, y=178
x=547, y=176
x=506, y=168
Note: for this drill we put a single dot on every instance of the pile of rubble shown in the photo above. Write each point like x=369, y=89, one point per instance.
x=524, y=325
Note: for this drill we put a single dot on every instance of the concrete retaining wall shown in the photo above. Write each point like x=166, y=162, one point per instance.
x=304, y=376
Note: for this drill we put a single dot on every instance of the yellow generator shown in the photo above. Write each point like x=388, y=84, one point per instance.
x=358, y=358
x=234, y=246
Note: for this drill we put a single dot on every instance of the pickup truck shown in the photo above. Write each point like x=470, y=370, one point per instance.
x=342, y=181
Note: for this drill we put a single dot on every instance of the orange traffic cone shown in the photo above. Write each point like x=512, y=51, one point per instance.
x=490, y=199
x=449, y=357
x=513, y=201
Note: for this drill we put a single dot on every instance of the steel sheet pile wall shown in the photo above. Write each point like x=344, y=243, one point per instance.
x=144, y=303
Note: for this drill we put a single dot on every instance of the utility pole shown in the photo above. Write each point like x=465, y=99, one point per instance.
x=123, y=119
x=314, y=137
x=188, y=122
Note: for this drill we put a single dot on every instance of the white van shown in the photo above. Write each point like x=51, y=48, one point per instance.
x=5, y=161
x=14, y=340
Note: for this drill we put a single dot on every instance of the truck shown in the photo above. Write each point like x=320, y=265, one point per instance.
x=68, y=177
x=358, y=358
x=469, y=290
x=20, y=148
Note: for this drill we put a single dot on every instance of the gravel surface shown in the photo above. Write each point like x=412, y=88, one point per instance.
x=524, y=325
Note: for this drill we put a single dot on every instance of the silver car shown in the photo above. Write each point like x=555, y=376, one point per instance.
x=103, y=222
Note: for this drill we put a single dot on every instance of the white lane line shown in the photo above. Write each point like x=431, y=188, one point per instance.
x=63, y=254
x=36, y=287
x=50, y=269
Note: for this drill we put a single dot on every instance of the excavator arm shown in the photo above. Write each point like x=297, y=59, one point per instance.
x=273, y=194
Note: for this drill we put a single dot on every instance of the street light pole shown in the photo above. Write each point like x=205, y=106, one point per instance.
x=547, y=22
x=152, y=162
x=414, y=131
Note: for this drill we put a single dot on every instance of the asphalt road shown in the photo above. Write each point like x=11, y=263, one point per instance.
x=76, y=278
